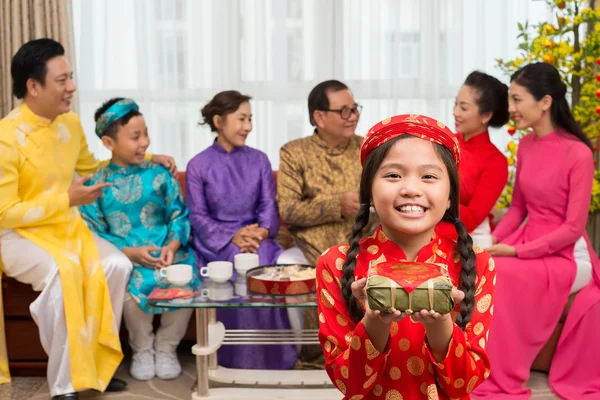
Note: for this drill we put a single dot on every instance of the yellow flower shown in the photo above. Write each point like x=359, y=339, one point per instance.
x=548, y=58
x=545, y=44
x=595, y=203
x=518, y=61
x=549, y=29
x=564, y=49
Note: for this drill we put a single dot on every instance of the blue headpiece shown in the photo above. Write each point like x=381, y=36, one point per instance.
x=118, y=110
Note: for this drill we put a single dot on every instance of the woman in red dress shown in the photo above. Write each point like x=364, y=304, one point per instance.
x=481, y=102
x=410, y=177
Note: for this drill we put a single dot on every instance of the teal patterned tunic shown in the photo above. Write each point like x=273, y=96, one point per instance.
x=143, y=207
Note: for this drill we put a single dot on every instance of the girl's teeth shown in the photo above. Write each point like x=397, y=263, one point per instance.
x=412, y=209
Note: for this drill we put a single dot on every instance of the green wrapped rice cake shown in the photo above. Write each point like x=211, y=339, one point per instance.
x=387, y=295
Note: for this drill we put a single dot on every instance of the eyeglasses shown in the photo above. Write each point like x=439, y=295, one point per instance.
x=345, y=113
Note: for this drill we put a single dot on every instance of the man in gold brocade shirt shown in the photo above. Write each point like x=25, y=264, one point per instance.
x=317, y=187
x=319, y=175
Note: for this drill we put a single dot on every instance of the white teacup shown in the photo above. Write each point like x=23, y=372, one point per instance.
x=177, y=274
x=218, y=291
x=241, y=288
x=245, y=261
x=218, y=271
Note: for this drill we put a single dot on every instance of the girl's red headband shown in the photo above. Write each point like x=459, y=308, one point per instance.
x=412, y=124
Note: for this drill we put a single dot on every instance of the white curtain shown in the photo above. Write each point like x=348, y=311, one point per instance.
x=397, y=56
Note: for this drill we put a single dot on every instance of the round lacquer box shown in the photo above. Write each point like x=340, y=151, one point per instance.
x=282, y=280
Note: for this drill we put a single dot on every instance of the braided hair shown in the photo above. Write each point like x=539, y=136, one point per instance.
x=464, y=242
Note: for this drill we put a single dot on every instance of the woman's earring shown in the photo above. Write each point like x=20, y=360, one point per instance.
x=372, y=209
x=543, y=113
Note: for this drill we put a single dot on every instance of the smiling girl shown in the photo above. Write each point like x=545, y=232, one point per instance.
x=410, y=177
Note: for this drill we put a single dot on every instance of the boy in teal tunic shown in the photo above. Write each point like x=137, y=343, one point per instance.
x=144, y=214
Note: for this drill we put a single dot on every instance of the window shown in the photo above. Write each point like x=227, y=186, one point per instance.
x=172, y=56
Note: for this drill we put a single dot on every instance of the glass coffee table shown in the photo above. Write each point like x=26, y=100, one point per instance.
x=240, y=384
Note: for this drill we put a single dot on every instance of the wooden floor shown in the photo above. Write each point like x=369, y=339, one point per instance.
x=181, y=388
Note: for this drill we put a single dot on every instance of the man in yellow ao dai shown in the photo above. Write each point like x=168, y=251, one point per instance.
x=43, y=239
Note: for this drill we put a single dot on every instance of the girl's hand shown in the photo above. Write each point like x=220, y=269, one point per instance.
x=502, y=250
x=432, y=319
x=359, y=291
x=438, y=327
x=377, y=324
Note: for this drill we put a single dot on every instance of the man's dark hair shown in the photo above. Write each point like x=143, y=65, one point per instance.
x=318, y=100
x=30, y=62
